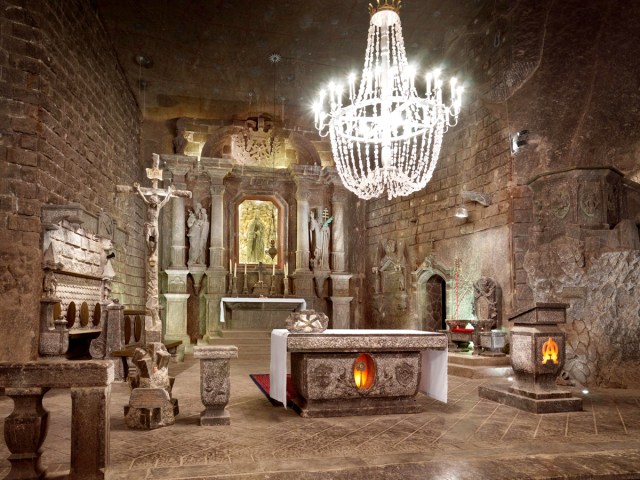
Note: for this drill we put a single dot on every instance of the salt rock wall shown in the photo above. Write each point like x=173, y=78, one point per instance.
x=603, y=321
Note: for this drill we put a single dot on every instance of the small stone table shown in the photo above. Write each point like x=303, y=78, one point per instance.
x=359, y=372
x=215, y=384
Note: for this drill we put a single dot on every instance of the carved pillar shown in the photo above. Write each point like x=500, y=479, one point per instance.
x=338, y=253
x=302, y=249
x=25, y=430
x=176, y=317
x=216, y=241
x=178, y=234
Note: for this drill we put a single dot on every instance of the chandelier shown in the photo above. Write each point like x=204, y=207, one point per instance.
x=387, y=138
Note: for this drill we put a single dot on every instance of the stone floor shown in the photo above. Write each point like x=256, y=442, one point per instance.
x=468, y=438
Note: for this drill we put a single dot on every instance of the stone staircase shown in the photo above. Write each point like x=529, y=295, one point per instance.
x=252, y=344
x=476, y=366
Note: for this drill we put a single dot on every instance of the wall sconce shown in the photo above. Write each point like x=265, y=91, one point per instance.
x=519, y=140
x=483, y=199
x=461, y=212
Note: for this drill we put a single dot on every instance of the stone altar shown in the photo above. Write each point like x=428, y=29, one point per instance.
x=360, y=372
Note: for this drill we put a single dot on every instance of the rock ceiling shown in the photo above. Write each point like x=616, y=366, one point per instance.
x=215, y=54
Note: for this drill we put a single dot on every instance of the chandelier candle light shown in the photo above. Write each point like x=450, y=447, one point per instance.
x=387, y=138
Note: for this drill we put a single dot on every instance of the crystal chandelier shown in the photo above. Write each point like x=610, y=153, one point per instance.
x=387, y=138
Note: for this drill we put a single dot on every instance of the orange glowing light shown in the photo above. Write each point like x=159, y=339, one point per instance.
x=550, y=351
x=363, y=371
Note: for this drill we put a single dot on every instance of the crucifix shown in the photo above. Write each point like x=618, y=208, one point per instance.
x=155, y=198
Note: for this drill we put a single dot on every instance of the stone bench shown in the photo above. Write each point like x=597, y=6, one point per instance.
x=25, y=429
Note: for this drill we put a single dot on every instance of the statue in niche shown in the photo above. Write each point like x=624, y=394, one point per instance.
x=198, y=224
x=394, y=260
x=154, y=205
x=255, y=239
x=180, y=142
x=320, y=233
x=49, y=284
x=485, y=299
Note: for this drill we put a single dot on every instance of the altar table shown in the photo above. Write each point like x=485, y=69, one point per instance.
x=322, y=364
x=301, y=302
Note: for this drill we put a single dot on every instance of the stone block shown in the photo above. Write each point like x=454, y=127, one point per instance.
x=215, y=385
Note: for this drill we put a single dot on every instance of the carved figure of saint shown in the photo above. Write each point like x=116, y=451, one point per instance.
x=314, y=232
x=255, y=240
x=153, y=212
x=50, y=284
x=198, y=224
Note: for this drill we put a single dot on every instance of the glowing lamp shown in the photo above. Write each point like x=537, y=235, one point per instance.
x=549, y=351
x=364, y=371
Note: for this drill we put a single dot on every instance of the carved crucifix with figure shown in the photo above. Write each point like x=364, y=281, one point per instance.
x=155, y=198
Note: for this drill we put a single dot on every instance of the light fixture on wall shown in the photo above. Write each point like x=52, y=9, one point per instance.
x=387, y=139
x=483, y=199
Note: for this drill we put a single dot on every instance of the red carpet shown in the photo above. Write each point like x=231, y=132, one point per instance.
x=262, y=381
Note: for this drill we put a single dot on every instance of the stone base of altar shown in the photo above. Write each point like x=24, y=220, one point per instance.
x=344, y=374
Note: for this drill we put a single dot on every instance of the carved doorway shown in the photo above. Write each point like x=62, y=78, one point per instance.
x=435, y=305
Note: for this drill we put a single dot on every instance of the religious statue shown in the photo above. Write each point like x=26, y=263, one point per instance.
x=320, y=239
x=255, y=240
x=394, y=261
x=154, y=205
x=198, y=224
x=180, y=142
x=485, y=299
x=49, y=284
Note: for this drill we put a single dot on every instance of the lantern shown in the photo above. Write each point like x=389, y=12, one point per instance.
x=364, y=371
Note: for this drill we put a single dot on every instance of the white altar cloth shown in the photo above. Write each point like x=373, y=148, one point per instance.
x=433, y=371
x=301, y=301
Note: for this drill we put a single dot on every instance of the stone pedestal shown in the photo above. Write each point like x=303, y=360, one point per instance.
x=215, y=385
x=537, y=358
x=303, y=284
x=25, y=429
x=176, y=317
x=54, y=335
x=341, y=314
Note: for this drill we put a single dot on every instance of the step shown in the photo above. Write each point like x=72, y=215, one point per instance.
x=469, y=359
x=467, y=371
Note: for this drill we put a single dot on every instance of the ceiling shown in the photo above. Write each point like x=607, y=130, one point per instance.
x=218, y=52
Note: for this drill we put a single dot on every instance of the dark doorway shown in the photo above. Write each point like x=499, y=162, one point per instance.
x=436, y=304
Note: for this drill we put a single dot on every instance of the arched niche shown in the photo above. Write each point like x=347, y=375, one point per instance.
x=258, y=215
x=428, y=273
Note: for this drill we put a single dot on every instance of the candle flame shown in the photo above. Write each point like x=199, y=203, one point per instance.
x=550, y=351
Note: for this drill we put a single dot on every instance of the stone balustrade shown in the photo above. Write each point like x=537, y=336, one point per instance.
x=25, y=429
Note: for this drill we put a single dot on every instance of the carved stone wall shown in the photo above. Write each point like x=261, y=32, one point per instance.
x=69, y=132
x=575, y=257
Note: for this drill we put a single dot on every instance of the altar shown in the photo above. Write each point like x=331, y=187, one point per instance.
x=261, y=303
x=359, y=372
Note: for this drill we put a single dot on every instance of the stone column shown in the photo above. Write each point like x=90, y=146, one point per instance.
x=178, y=234
x=215, y=384
x=302, y=233
x=338, y=200
x=216, y=241
x=89, y=446
x=217, y=272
